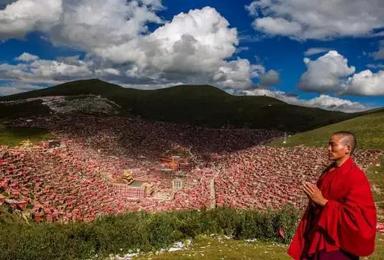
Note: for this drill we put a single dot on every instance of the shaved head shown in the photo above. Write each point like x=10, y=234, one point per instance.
x=347, y=138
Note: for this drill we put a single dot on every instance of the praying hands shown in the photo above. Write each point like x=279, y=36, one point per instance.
x=314, y=193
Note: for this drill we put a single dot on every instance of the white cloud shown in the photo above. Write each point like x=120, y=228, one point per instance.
x=310, y=19
x=366, y=83
x=198, y=46
x=334, y=103
x=375, y=66
x=234, y=74
x=323, y=101
x=278, y=26
x=23, y=16
x=54, y=69
x=326, y=74
x=281, y=95
x=107, y=71
x=150, y=86
x=15, y=88
x=379, y=54
x=330, y=73
x=269, y=79
x=116, y=22
x=314, y=51
x=27, y=57
x=194, y=47
x=44, y=71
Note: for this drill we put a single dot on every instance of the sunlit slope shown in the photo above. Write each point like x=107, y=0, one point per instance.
x=368, y=128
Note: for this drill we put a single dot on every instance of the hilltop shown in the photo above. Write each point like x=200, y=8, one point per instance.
x=201, y=105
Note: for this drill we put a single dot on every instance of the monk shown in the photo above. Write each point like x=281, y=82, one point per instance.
x=340, y=219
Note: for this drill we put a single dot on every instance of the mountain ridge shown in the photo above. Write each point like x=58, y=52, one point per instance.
x=203, y=105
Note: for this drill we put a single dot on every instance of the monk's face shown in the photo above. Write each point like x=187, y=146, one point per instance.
x=336, y=148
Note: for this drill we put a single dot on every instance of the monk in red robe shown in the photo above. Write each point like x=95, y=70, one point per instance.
x=340, y=220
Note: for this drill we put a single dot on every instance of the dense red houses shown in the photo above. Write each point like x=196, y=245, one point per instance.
x=78, y=176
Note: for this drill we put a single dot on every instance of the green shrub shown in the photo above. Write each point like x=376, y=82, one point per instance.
x=144, y=231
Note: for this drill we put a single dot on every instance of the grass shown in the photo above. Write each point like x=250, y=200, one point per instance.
x=13, y=136
x=206, y=247
x=368, y=129
x=375, y=175
x=219, y=247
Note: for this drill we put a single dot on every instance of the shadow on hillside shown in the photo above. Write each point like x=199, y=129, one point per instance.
x=135, y=136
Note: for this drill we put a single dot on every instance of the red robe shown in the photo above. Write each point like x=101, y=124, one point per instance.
x=347, y=221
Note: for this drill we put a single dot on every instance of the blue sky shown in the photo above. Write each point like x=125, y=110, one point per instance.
x=328, y=55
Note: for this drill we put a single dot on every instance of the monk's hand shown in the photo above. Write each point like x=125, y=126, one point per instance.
x=314, y=193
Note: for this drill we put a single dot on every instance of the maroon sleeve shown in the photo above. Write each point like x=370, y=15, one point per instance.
x=351, y=223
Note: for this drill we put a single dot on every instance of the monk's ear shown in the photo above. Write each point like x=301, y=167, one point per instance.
x=348, y=149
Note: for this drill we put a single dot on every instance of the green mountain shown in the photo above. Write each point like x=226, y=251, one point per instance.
x=199, y=105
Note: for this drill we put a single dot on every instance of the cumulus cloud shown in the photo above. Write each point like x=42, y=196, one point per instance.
x=331, y=73
x=194, y=47
x=107, y=71
x=278, y=26
x=323, y=101
x=366, y=83
x=334, y=103
x=310, y=19
x=23, y=16
x=36, y=70
x=326, y=74
x=26, y=57
x=116, y=22
x=269, y=78
x=235, y=74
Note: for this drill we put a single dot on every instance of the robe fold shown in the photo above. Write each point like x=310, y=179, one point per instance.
x=347, y=221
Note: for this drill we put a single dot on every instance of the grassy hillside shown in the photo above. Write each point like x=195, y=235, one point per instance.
x=368, y=128
x=199, y=105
